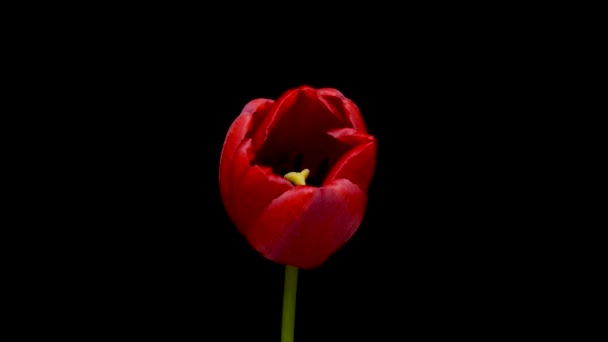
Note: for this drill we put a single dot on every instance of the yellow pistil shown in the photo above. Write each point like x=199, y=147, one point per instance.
x=298, y=178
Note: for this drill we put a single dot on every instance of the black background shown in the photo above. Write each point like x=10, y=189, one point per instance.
x=148, y=250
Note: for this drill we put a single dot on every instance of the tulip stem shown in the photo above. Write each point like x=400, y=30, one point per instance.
x=289, y=303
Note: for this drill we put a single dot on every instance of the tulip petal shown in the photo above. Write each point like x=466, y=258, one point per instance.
x=259, y=109
x=306, y=225
x=299, y=114
x=256, y=188
x=235, y=135
x=357, y=165
x=350, y=136
x=234, y=138
x=345, y=107
x=252, y=187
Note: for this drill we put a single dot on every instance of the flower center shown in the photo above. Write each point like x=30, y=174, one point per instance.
x=298, y=178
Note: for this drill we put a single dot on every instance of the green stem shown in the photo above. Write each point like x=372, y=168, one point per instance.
x=289, y=303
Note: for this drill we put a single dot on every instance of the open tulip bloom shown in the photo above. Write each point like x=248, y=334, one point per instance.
x=294, y=175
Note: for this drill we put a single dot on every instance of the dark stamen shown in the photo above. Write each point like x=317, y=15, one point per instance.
x=319, y=175
x=297, y=163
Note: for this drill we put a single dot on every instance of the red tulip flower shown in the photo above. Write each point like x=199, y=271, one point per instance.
x=294, y=174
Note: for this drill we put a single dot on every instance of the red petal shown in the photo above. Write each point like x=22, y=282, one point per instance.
x=259, y=109
x=234, y=138
x=298, y=112
x=351, y=136
x=345, y=107
x=306, y=225
x=256, y=188
x=357, y=165
x=244, y=192
x=235, y=135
